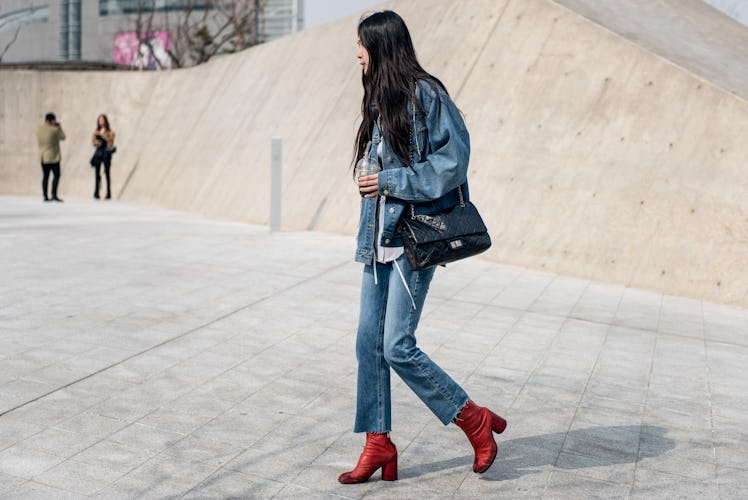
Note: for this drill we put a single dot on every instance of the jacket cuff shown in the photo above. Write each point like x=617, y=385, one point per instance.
x=384, y=182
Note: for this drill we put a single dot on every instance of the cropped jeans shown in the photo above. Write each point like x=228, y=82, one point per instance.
x=386, y=339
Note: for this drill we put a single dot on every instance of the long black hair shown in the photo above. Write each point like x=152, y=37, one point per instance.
x=106, y=122
x=389, y=82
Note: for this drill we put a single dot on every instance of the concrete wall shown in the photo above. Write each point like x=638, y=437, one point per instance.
x=593, y=156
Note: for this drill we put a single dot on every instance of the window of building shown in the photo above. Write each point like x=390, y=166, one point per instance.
x=113, y=7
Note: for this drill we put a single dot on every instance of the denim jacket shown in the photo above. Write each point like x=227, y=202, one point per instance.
x=439, y=162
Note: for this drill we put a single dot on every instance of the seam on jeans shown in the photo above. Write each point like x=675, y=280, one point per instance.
x=426, y=372
x=447, y=396
x=380, y=361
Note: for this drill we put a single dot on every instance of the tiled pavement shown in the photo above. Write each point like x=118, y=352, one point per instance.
x=146, y=353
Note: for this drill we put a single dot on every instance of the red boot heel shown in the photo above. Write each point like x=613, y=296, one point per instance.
x=378, y=452
x=498, y=424
x=389, y=470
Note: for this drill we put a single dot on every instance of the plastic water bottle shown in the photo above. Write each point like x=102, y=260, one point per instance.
x=367, y=166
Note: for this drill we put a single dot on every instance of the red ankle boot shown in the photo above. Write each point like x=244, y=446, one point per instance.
x=378, y=452
x=479, y=424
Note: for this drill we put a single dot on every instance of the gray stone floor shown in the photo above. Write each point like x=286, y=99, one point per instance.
x=147, y=353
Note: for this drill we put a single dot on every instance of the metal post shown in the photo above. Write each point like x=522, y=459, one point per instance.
x=275, y=184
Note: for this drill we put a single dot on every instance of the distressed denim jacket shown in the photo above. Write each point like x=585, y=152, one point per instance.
x=439, y=162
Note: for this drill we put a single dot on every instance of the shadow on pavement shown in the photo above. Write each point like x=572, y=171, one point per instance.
x=577, y=449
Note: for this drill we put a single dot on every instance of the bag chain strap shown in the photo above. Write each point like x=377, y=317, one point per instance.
x=459, y=194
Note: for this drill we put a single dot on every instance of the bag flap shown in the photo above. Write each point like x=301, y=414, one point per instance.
x=456, y=222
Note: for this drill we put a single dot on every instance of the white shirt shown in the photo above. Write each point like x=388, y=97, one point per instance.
x=384, y=254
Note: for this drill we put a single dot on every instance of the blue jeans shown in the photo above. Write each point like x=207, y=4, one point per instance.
x=386, y=338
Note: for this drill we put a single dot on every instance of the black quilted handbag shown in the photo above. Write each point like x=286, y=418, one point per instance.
x=434, y=240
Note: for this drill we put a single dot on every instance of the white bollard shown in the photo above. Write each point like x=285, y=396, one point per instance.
x=275, y=183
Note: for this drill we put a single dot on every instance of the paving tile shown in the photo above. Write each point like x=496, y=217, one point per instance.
x=292, y=491
x=159, y=477
x=560, y=297
x=59, y=442
x=13, y=430
x=27, y=387
x=598, y=303
x=528, y=482
x=234, y=428
x=127, y=407
x=563, y=484
x=682, y=316
x=50, y=410
x=592, y=415
x=673, y=417
x=525, y=291
x=276, y=458
x=639, y=309
x=32, y=490
x=92, y=425
x=594, y=468
x=610, y=445
x=198, y=449
x=8, y=482
x=651, y=483
x=115, y=456
x=678, y=452
x=77, y=477
x=732, y=483
x=146, y=437
x=230, y=484
x=26, y=462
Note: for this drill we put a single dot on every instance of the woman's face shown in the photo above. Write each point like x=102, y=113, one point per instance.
x=363, y=56
x=101, y=121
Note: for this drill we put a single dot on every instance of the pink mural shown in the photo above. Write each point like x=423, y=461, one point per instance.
x=133, y=52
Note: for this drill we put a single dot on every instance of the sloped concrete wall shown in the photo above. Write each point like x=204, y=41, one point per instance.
x=592, y=155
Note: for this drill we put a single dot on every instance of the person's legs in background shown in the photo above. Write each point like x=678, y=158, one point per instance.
x=55, y=180
x=97, y=173
x=107, y=164
x=46, y=169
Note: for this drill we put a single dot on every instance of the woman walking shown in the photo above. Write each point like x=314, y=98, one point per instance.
x=416, y=135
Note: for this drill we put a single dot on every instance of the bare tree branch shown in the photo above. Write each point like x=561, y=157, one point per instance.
x=10, y=43
x=201, y=29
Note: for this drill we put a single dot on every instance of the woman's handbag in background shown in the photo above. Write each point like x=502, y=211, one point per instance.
x=97, y=157
x=434, y=240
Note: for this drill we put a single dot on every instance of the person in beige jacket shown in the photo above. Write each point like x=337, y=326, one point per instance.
x=48, y=137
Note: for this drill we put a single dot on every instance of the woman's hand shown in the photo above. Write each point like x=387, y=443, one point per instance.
x=368, y=186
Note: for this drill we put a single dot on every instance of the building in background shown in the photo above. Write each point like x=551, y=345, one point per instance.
x=282, y=17
x=105, y=31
